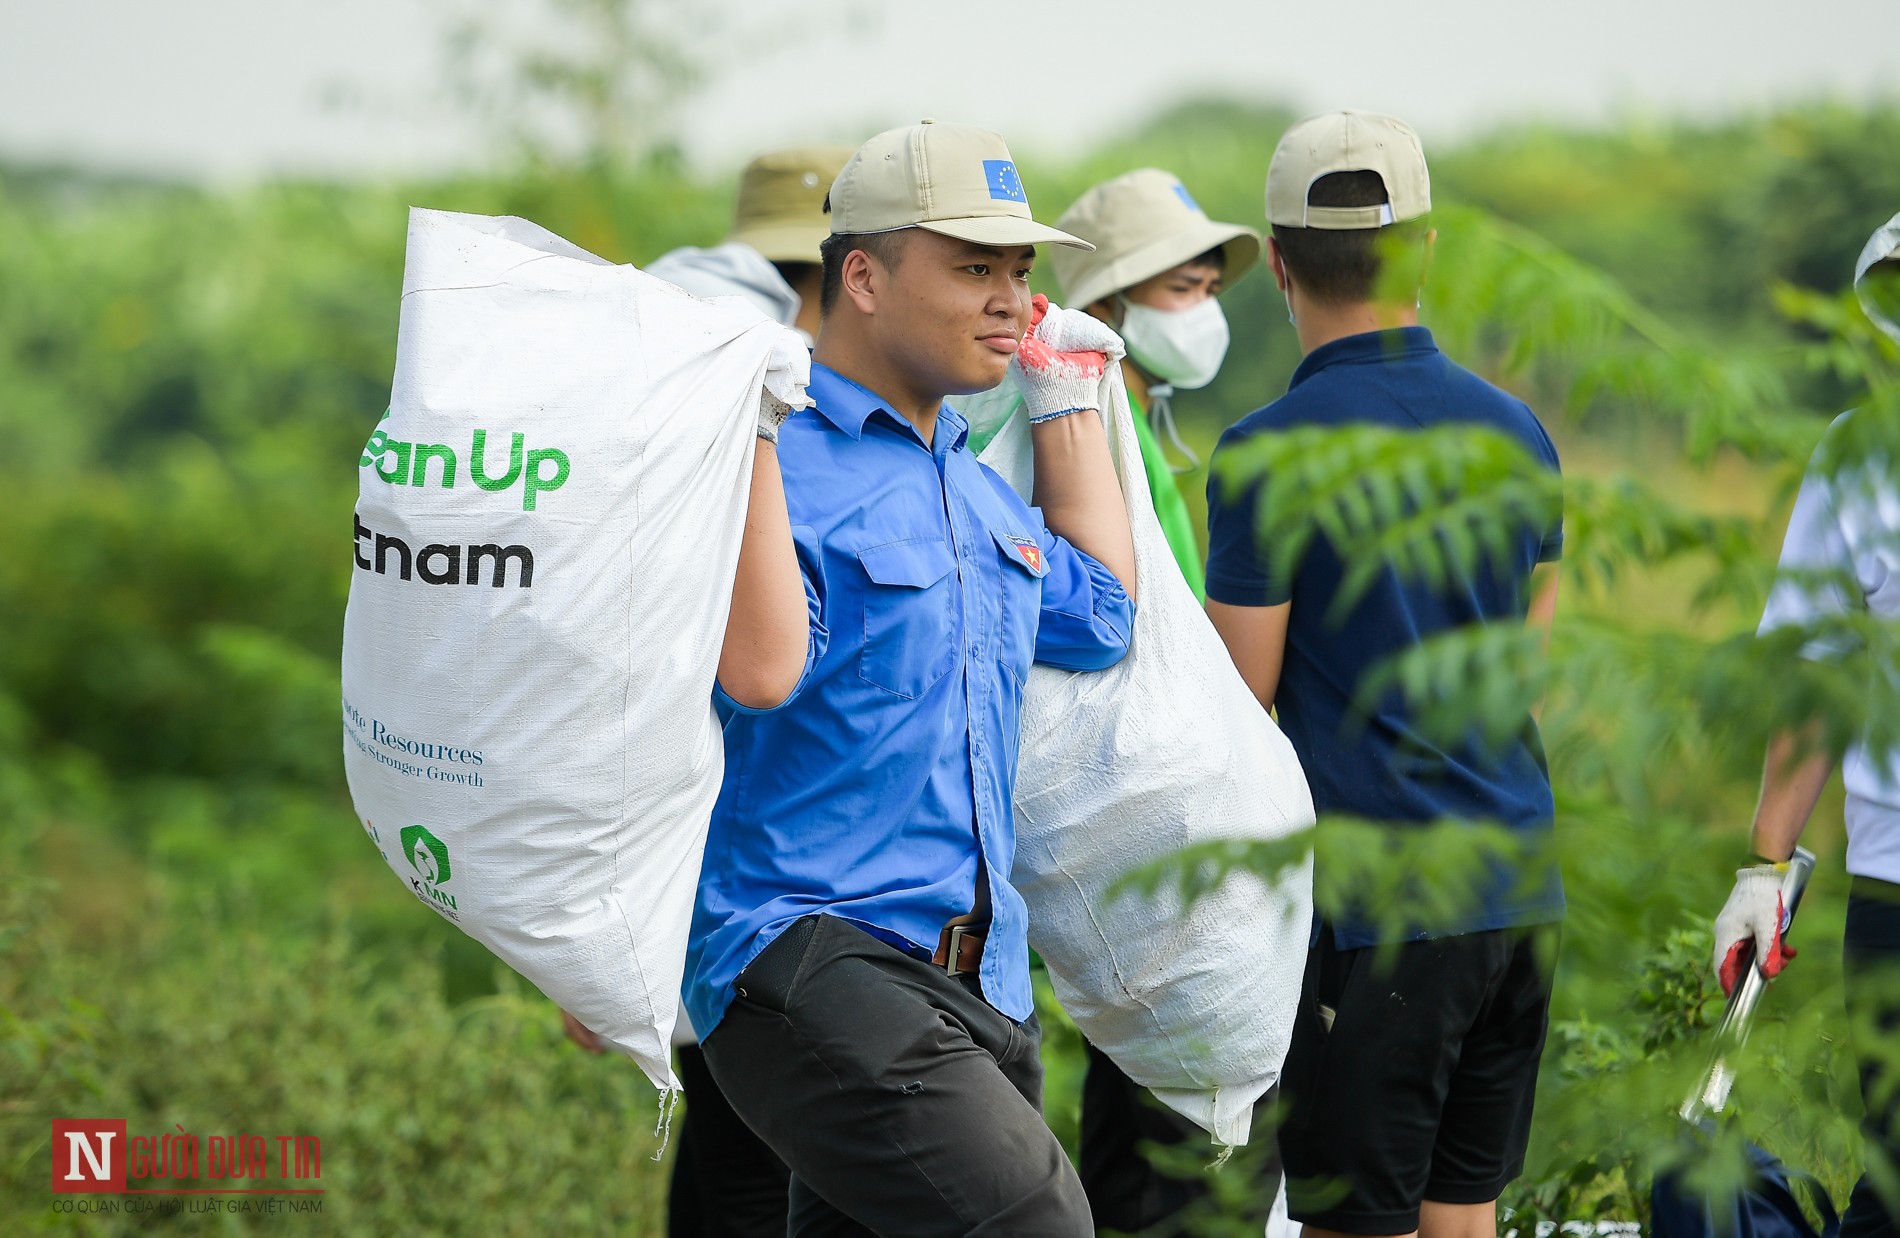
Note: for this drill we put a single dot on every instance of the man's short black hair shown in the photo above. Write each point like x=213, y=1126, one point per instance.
x=1343, y=266
x=886, y=247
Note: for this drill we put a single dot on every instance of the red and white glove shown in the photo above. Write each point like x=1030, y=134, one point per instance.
x=1754, y=916
x=1062, y=360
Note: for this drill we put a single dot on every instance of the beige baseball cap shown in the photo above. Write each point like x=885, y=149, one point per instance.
x=957, y=180
x=781, y=209
x=1347, y=142
x=1143, y=223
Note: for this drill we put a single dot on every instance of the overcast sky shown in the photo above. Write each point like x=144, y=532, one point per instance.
x=236, y=89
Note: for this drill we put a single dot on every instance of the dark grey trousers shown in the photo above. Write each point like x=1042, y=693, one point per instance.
x=726, y=1182
x=903, y=1102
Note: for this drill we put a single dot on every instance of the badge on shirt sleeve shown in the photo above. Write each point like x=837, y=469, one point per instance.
x=1025, y=550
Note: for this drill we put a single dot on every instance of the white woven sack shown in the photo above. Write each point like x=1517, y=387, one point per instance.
x=1123, y=767
x=546, y=540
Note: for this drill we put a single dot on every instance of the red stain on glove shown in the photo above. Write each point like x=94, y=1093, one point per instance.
x=1037, y=355
x=1741, y=954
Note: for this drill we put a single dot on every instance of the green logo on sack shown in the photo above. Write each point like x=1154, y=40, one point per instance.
x=429, y=856
x=407, y=464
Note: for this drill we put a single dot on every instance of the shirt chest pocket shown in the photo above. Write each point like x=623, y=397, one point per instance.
x=1021, y=598
x=910, y=615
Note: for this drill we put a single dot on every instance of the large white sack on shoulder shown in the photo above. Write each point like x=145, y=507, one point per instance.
x=1120, y=769
x=546, y=538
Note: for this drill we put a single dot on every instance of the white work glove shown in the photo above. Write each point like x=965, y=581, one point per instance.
x=784, y=391
x=1753, y=916
x=772, y=414
x=1062, y=360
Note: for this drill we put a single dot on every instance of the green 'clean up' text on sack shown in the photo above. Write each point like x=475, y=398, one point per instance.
x=545, y=543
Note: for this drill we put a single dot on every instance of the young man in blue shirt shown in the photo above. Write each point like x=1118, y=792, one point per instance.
x=1412, y=1069
x=725, y=1182
x=858, y=964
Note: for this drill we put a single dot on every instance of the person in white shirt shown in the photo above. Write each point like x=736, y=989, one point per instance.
x=1841, y=555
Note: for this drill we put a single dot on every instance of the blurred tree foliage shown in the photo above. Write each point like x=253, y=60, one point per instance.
x=598, y=79
x=191, y=931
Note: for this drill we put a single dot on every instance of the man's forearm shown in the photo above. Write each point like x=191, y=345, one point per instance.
x=769, y=630
x=1255, y=637
x=1079, y=493
x=1794, y=773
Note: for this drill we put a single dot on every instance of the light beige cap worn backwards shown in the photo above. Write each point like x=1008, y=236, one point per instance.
x=1347, y=142
x=956, y=180
x=781, y=208
x=1143, y=223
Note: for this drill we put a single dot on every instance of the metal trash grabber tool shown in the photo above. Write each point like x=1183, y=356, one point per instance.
x=1711, y=1092
x=1765, y=1205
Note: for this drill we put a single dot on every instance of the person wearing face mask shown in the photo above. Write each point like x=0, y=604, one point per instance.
x=1158, y=267
x=771, y=255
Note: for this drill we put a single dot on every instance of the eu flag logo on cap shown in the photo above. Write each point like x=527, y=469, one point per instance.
x=1003, y=181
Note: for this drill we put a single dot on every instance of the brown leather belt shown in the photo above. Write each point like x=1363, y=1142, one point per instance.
x=960, y=948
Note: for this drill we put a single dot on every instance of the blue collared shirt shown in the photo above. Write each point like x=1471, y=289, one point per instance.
x=879, y=791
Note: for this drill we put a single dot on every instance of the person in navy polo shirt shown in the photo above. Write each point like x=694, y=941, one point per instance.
x=1412, y=1068
x=858, y=963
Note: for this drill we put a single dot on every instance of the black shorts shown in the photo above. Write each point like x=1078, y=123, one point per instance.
x=1411, y=1075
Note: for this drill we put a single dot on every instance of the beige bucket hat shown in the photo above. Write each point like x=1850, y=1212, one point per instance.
x=781, y=208
x=956, y=180
x=1143, y=223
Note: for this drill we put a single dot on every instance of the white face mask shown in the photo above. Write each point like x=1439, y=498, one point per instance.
x=1182, y=347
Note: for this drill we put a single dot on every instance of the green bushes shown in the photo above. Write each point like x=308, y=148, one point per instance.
x=434, y=1119
x=192, y=933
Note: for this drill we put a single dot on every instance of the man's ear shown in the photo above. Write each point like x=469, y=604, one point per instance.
x=862, y=279
x=1276, y=262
